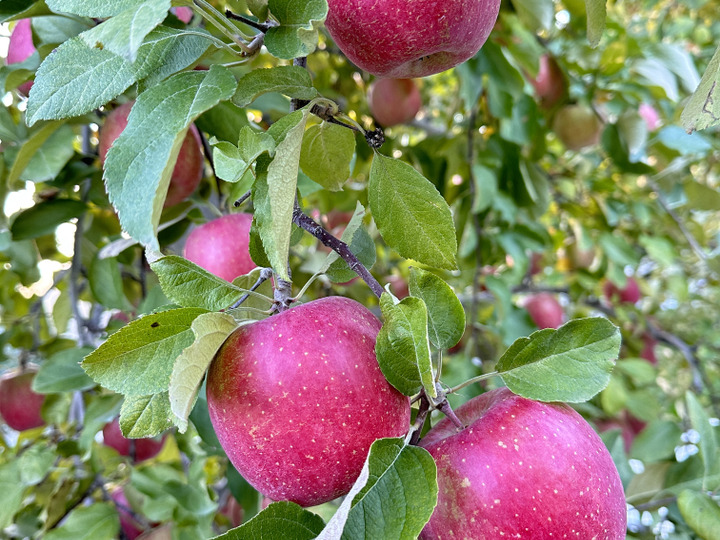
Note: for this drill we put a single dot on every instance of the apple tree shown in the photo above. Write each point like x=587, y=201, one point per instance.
x=347, y=269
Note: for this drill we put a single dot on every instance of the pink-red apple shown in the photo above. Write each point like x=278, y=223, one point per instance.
x=297, y=399
x=648, y=351
x=650, y=115
x=577, y=126
x=398, y=285
x=131, y=527
x=137, y=449
x=185, y=14
x=188, y=171
x=545, y=310
x=523, y=469
x=394, y=101
x=19, y=405
x=550, y=86
x=20, y=48
x=627, y=295
x=401, y=40
x=220, y=246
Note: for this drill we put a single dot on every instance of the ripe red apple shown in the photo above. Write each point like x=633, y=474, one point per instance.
x=220, y=246
x=185, y=14
x=297, y=399
x=545, y=310
x=628, y=295
x=650, y=115
x=20, y=48
x=577, y=126
x=398, y=39
x=19, y=405
x=523, y=469
x=138, y=449
x=130, y=526
x=550, y=86
x=648, y=352
x=394, y=101
x=188, y=171
x=398, y=285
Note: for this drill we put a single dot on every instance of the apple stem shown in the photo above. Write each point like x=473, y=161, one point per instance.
x=420, y=419
x=265, y=274
x=282, y=295
x=262, y=27
x=444, y=407
x=306, y=223
x=242, y=199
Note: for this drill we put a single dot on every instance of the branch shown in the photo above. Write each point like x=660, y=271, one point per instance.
x=306, y=223
x=262, y=27
x=265, y=274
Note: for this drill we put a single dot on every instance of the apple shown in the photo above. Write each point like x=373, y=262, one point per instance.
x=20, y=48
x=536, y=264
x=394, y=101
x=545, y=310
x=650, y=115
x=398, y=39
x=220, y=246
x=190, y=164
x=628, y=425
x=185, y=14
x=627, y=295
x=137, y=449
x=648, y=352
x=130, y=526
x=398, y=285
x=577, y=126
x=334, y=218
x=580, y=258
x=19, y=405
x=297, y=399
x=550, y=86
x=522, y=469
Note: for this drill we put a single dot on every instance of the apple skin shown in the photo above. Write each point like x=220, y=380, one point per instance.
x=129, y=525
x=550, y=86
x=650, y=115
x=190, y=164
x=221, y=247
x=394, y=101
x=185, y=14
x=577, y=127
x=144, y=448
x=398, y=39
x=545, y=310
x=628, y=295
x=19, y=405
x=297, y=399
x=522, y=469
x=20, y=48
x=648, y=352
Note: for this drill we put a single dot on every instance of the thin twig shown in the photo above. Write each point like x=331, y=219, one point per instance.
x=265, y=274
x=242, y=199
x=262, y=27
x=423, y=411
x=208, y=154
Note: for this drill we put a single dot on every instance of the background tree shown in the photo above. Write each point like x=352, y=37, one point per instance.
x=560, y=160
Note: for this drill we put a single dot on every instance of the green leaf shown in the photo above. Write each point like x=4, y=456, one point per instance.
x=292, y=81
x=327, y=151
x=137, y=359
x=211, y=330
x=19, y=9
x=572, y=363
x=297, y=34
x=75, y=79
x=394, y=496
x=141, y=160
x=93, y=8
x=402, y=346
x=30, y=148
x=51, y=157
x=233, y=162
x=701, y=512
x=596, y=15
x=446, y=316
x=701, y=197
x=145, y=416
x=35, y=463
x=189, y=285
x=259, y=8
x=275, y=191
x=362, y=246
x=44, y=217
x=62, y=373
x=11, y=492
x=99, y=521
x=106, y=283
x=279, y=520
x=536, y=14
x=708, y=442
x=412, y=216
x=703, y=109
x=124, y=33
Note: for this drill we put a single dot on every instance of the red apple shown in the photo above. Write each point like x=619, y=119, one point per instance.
x=130, y=526
x=650, y=115
x=185, y=14
x=550, y=86
x=233, y=511
x=577, y=126
x=335, y=218
x=398, y=285
x=20, y=48
x=220, y=246
x=545, y=310
x=523, y=469
x=188, y=171
x=297, y=399
x=394, y=101
x=648, y=352
x=401, y=40
x=138, y=449
x=19, y=405
x=628, y=425
x=628, y=295
x=536, y=264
